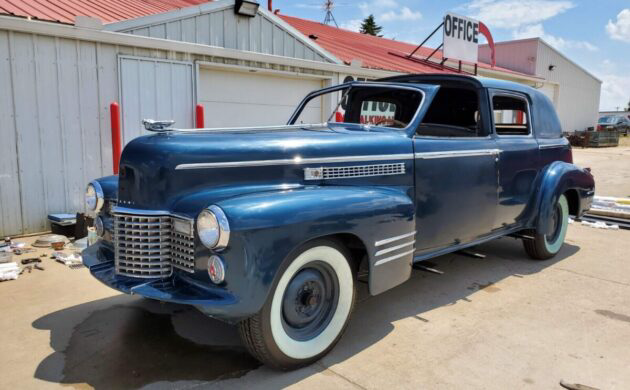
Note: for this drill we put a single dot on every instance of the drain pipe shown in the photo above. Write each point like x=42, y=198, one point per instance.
x=270, y=5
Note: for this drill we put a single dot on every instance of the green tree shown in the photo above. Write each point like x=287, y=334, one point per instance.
x=369, y=27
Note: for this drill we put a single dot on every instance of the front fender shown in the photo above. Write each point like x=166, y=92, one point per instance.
x=267, y=227
x=558, y=178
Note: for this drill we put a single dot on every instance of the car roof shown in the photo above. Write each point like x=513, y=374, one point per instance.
x=483, y=82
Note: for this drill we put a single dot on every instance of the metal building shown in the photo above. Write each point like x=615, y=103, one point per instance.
x=574, y=91
x=60, y=69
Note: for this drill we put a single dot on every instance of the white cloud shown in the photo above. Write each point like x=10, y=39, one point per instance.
x=615, y=92
x=537, y=30
x=352, y=25
x=615, y=84
x=405, y=14
x=620, y=30
x=516, y=13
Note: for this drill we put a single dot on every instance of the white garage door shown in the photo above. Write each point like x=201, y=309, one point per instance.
x=237, y=99
x=155, y=89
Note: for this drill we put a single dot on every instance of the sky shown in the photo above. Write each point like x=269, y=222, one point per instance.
x=595, y=34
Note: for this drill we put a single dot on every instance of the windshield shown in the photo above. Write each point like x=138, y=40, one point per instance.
x=368, y=105
x=608, y=119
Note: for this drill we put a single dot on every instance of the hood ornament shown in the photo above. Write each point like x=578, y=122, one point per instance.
x=157, y=126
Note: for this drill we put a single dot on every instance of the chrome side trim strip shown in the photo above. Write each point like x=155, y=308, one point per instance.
x=457, y=153
x=392, y=239
x=394, y=248
x=551, y=146
x=251, y=129
x=296, y=160
x=388, y=259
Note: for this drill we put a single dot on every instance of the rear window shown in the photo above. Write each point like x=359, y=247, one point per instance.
x=608, y=120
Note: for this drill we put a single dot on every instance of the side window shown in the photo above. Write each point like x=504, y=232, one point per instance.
x=454, y=112
x=510, y=115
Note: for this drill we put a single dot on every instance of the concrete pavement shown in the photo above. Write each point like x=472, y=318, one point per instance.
x=502, y=322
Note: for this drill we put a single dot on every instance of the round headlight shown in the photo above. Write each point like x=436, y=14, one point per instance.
x=208, y=228
x=213, y=228
x=94, y=197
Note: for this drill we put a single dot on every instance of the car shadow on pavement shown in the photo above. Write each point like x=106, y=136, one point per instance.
x=127, y=342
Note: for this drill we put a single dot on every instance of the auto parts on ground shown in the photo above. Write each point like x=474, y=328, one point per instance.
x=9, y=271
x=79, y=245
x=5, y=256
x=30, y=260
x=63, y=224
x=58, y=245
x=608, y=212
x=46, y=240
x=67, y=258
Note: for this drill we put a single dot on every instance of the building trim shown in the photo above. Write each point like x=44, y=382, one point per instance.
x=215, y=6
x=115, y=38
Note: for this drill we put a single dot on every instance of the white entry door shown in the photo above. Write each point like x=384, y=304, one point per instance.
x=155, y=89
x=238, y=99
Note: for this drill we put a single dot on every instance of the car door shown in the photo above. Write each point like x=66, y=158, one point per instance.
x=518, y=163
x=455, y=171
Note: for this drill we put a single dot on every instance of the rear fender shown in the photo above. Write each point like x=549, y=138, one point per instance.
x=558, y=178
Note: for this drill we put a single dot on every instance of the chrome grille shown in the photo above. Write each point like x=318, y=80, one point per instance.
x=363, y=171
x=148, y=246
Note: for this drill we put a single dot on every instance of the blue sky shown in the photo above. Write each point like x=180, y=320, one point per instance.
x=594, y=34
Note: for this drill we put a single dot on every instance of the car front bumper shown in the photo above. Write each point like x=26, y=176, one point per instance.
x=178, y=288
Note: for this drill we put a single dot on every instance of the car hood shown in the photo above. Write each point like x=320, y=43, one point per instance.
x=166, y=170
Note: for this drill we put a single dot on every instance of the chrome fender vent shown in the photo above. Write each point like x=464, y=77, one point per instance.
x=349, y=172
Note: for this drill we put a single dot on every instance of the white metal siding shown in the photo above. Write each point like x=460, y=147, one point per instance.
x=52, y=101
x=155, y=89
x=232, y=98
x=517, y=55
x=224, y=28
x=578, y=93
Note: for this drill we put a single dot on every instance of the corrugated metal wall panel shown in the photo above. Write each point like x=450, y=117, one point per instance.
x=516, y=55
x=224, y=28
x=157, y=89
x=28, y=135
x=579, y=92
x=59, y=111
x=54, y=102
x=10, y=201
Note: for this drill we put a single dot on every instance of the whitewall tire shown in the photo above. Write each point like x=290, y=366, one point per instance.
x=307, y=310
x=546, y=246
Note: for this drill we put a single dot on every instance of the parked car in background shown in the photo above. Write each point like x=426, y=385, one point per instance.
x=614, y=122
x=269, y=228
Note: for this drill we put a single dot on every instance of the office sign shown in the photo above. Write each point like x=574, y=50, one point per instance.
x=460, y=37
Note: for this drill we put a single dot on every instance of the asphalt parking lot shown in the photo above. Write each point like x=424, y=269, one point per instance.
x=503, y=322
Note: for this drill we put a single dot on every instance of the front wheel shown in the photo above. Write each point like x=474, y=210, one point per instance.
x=546, y=246
x=307, y=311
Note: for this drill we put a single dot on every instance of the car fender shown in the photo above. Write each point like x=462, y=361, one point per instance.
x=109, y=185
x=556, y=179
x=266, y=227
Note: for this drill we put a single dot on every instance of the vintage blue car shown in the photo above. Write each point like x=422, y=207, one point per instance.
x=269, y=227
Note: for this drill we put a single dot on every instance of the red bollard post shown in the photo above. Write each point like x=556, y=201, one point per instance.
x=199, y=119
x=114, y=111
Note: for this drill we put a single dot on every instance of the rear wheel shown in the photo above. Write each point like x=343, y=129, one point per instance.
x=546, y=246
x=307, y=311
